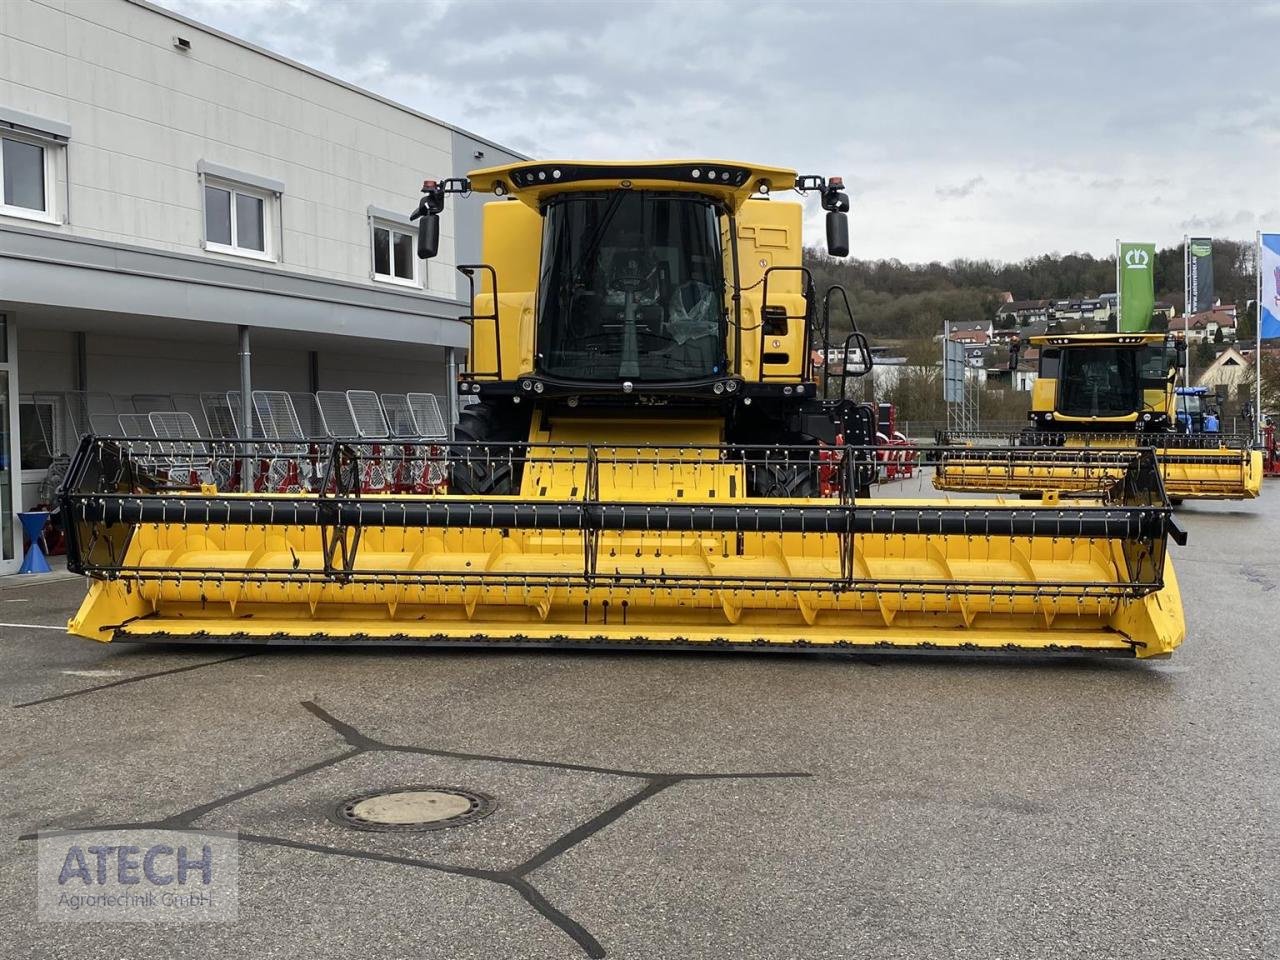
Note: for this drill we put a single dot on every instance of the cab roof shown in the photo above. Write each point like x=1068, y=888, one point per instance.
x=535, y=180
x=1096, y=339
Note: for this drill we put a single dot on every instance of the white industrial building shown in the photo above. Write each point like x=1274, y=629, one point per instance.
x=172, y=194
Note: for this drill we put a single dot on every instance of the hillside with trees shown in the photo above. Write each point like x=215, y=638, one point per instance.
x=909, y=301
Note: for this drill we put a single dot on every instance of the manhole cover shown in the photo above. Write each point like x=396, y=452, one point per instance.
x=409, y=809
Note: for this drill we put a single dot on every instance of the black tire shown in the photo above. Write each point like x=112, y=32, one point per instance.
x=784, y=478
x=493, y=471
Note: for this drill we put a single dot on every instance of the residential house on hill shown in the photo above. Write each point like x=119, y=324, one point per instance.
x=978, y=335
x=1206, y=324
x=1020, y=313
x=1083, y=310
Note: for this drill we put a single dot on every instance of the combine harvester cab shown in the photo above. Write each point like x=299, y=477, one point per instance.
x=1097, y=397
x=661, y=453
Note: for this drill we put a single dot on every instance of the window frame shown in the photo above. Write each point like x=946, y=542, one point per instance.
x=47, y=147
x=393, y=227
x=268, y=198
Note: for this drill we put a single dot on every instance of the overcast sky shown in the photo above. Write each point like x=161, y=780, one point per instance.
x=1001, y=129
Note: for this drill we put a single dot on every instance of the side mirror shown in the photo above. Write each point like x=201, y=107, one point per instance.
x=836, y=202
x=428, y=214
x=428, y=236
x=837, y=233
x=1180, y=351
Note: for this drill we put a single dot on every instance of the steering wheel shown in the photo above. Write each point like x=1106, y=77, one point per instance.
x=632, y=271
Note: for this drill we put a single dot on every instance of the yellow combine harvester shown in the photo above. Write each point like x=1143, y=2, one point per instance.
x=1098, y=396
x=658, y=456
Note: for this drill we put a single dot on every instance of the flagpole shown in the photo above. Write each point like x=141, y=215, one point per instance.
x=1186, y=307
x=1119, y=299
x=1257, y=350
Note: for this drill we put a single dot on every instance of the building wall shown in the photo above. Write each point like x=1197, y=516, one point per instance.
x=144, y=114
x=46, y=359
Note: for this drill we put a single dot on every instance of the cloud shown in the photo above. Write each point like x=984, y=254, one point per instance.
x=960, y=190
x=1235, y=224
x=1062, y=116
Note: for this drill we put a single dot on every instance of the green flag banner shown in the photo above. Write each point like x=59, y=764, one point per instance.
x=1137, y=286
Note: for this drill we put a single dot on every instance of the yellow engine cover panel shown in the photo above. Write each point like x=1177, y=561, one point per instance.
x=503, y=349
x=769, y=237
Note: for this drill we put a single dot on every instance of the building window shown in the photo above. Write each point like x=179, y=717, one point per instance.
x=27, y=177
x=238, y=220
x=35, y=432
x=394, y=259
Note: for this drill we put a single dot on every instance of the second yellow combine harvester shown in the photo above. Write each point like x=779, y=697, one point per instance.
x=657, y=456
x=1097, y=397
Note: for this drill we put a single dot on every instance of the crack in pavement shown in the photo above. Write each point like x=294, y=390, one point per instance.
x=135, y=679
x=515, y=878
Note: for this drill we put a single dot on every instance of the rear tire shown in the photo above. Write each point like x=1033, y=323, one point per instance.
x=492, y=471
x=784, y=480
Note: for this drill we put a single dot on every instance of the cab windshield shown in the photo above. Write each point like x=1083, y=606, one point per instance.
x=631, y=288
x=1100, y=382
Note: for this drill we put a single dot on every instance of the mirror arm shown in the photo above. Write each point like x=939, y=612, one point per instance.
x=428, y=212
x=836, y=202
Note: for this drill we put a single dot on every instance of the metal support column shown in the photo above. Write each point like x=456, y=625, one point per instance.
x=451, y=386
x=82, y=361
x=313, y=370
x=246, y=408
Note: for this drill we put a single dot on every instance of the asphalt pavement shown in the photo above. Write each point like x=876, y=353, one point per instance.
x=654, y=804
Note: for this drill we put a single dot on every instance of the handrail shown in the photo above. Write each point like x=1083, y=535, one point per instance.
x=806, y=370
x=856, y=337
x=469, y=270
